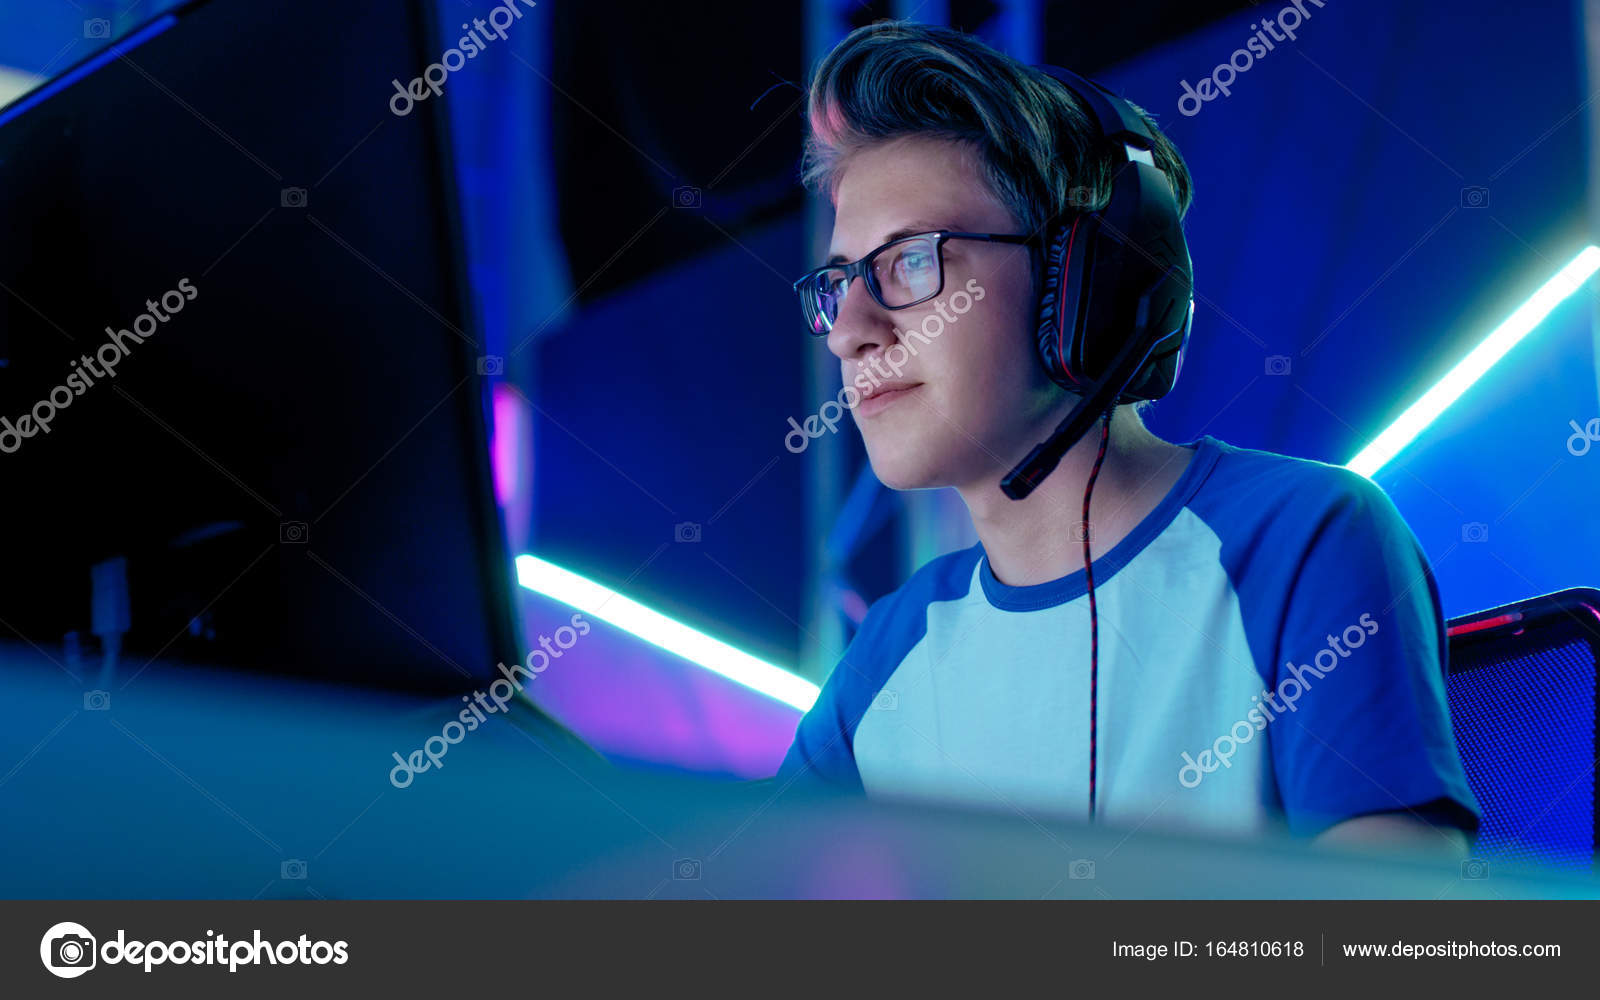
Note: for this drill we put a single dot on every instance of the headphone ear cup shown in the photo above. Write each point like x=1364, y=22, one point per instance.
x=1057, y=335
x=1045, y=336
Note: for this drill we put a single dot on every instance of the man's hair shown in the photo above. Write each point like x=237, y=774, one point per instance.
x=1035, y=141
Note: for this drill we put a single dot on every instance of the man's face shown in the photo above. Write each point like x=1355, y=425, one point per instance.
x=976, y=398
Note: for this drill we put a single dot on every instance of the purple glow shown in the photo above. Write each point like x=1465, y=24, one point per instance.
x=631, y=699
x=859, y=869
x=505, y=445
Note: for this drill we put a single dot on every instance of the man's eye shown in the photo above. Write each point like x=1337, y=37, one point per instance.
x=914, y=264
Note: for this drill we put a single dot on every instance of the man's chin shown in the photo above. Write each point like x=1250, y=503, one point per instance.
x=902, y=477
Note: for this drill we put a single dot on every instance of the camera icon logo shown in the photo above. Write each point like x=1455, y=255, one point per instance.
x=686, y=869
x=67, y=950
x=491, y=364
x=292, y=868
x=293, y=198
x=1278, y=364
x=96, y=701
x=1080, y=197
x=97, y=27
x=687, y=531
x=1081, y=869
x=887, y=701
x=1475, y=196
x=294, y=533
x=685, y=197
x=1474, y=531
x=1080, y=530
x=1474, y=868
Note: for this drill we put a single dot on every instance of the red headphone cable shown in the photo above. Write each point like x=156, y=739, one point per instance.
x=1094, y=617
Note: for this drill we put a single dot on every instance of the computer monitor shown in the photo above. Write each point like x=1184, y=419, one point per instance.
x=291, y=463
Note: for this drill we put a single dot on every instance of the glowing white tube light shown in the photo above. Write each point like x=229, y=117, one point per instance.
x=665, y=633
x=1486, y=355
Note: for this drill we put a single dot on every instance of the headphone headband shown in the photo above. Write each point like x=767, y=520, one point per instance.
x=1111, y=114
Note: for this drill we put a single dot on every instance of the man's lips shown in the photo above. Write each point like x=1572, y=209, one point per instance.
x=884, y=396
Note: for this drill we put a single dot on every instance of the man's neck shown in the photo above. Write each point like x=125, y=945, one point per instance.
x=1040, y=538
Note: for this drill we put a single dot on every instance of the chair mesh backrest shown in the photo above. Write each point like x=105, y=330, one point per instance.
x=1523, y=707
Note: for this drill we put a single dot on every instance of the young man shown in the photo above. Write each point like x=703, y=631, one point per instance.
x=1270, y=644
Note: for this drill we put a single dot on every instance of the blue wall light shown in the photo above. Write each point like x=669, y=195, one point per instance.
x=1459, y=379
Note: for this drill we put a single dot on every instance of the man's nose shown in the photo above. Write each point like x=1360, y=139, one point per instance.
x=861, y=326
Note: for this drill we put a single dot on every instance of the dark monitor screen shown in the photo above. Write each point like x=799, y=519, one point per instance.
x=284, y=454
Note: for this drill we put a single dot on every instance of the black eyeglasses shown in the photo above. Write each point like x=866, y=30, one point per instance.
x=901, y=273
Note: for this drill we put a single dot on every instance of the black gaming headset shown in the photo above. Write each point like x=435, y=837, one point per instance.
x=1118, y=290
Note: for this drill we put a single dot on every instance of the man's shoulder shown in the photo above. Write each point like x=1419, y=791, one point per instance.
x=893, y=626
x=1254, y=467
x=1296, y=529
x=1249, y=485
x=948, y=577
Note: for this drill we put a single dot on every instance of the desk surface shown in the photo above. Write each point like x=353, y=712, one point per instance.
x=198, y=783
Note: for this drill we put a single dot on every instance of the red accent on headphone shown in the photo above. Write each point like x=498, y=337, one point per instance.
x=1061, y=314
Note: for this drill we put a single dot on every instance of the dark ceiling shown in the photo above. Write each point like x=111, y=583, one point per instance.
x=662, y=99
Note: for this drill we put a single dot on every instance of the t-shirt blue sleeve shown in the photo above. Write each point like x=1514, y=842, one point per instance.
x=1360, y=669
x=824, y=745
x=822, y=753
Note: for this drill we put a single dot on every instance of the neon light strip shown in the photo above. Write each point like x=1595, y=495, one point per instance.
x=653, y=627
x=67, y=79
x=1471, y=368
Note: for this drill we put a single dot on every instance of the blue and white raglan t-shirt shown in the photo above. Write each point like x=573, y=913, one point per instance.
x=1272, y=651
